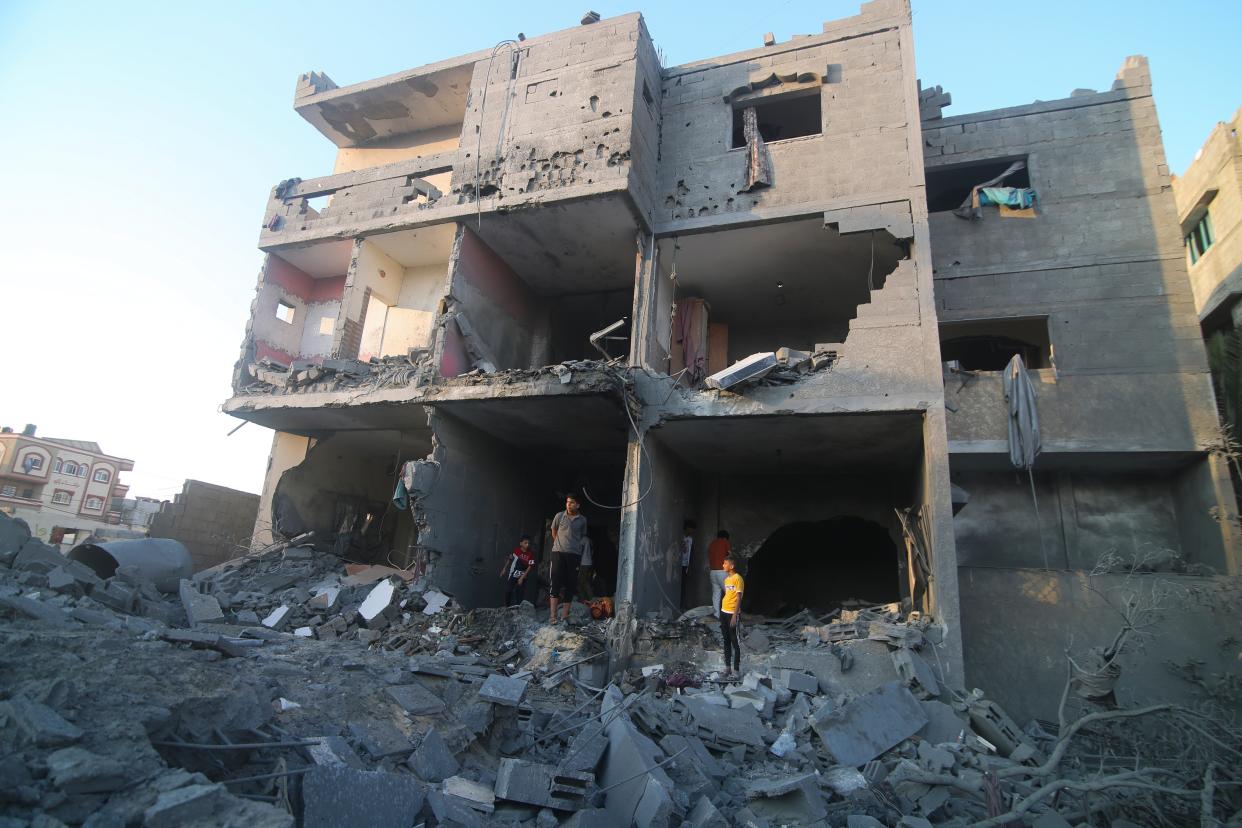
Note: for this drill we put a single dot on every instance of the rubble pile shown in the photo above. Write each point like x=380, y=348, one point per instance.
x=272, y=377
x=784, y=366
x=285, y=688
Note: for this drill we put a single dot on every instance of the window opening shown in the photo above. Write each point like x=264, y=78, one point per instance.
x=326, y=325
x=781, y=118
x=94, y=503
x=71, y=468
x=102, y=476
x=989, y=344
x=949, y=187
x=28, y=493
x=9, y=491
x=61, y=496
x=284, y=312
x=1200, y=238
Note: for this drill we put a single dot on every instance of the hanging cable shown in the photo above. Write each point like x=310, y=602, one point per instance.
x=478, y=198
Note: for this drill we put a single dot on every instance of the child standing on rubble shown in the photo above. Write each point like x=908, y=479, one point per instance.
x=521, y=561
x=730, y=613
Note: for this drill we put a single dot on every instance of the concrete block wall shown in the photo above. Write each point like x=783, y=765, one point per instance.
x=1102, y=261
x=213, y=522
x=1217, y=275
x=560, y=126
x=860, y=156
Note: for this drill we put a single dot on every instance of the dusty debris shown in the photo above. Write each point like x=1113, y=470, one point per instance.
x=129, y=716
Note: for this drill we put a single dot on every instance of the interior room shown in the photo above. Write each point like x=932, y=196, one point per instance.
x=531, y=287
x=299, y=301
x=504, y=468
x=399, y=281
x=343, y=493
x=808, y=501
x=747, y=290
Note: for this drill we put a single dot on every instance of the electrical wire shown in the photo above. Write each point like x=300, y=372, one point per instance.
x=478, y=197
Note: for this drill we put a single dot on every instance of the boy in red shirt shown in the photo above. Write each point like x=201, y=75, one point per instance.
x=515, y=570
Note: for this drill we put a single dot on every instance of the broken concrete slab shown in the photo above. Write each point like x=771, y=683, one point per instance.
x=944, y=725
x=916, y=673
x=477, y=795
x=787, y=799
x=379, y=739
x=199, y=608
x=341, y=797
x=38, y=610
x=335, y=751
x=74, y=770
x=586, y=749
x=725, y=726
x=504, y=690
x=436, y=601
x=753, y=367
x=543, y=785
x=433, y=761
x=693, y=746
x=798, y=681
x=325, y=598
x=39, y=723
x=277, y=619
x=416, y=699
x=870, y=725
x=374, y=609
x=184, y=806
x=704, y=815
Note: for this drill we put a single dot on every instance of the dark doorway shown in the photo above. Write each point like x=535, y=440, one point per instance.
x=820, y=564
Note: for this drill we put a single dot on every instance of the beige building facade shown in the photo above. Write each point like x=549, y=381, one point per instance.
x=1209, y=210
x=64, y=489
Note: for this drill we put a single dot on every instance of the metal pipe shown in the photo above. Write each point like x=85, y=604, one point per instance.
x=162, y=561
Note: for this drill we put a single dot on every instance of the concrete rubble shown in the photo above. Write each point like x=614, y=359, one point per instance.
x=149, y=716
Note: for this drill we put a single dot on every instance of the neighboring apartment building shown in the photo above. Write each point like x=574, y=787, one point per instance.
x=437, y=311
x=1209, y=210
x=64, y=489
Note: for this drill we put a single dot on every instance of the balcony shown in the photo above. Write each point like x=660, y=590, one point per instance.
x=392, y=194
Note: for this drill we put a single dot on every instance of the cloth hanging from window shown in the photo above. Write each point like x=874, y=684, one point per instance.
x=970, y=207
x=758, y=161
x=691, y=322
x=1018, y=197
x=1024, y=444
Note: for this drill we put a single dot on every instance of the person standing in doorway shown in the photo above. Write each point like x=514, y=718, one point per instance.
x=717, y=551
x=730, y=614
x=521, y=561
x=586, y=571
x=569, y=530
x=687, y=549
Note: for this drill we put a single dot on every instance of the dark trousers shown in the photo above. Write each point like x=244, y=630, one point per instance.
x=732, y=649
x=514, y=590
x=565, y=575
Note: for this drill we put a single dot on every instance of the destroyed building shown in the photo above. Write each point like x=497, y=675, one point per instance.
x=774, y=292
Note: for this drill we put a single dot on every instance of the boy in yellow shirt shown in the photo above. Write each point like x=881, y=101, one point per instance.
x=730, y=612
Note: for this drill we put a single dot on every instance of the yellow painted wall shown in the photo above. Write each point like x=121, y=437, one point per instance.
x=402, y=148
x=287, y=451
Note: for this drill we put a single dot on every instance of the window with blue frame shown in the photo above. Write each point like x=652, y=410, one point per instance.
x=1200, y=237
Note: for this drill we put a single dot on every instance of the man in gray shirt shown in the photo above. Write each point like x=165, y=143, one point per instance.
x=569, y=530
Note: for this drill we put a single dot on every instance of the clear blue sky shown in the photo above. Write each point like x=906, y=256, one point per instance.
x=140, y=142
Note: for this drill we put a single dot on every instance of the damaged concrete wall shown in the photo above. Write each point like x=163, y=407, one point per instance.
x=287, y=451
x=551, y=115
x=1101, y=259
x=1184, y=658
x=507, y=317
x=311, y=299
x=659, y=494
x=481, y=496
x=856, y=67
x=421, y=144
